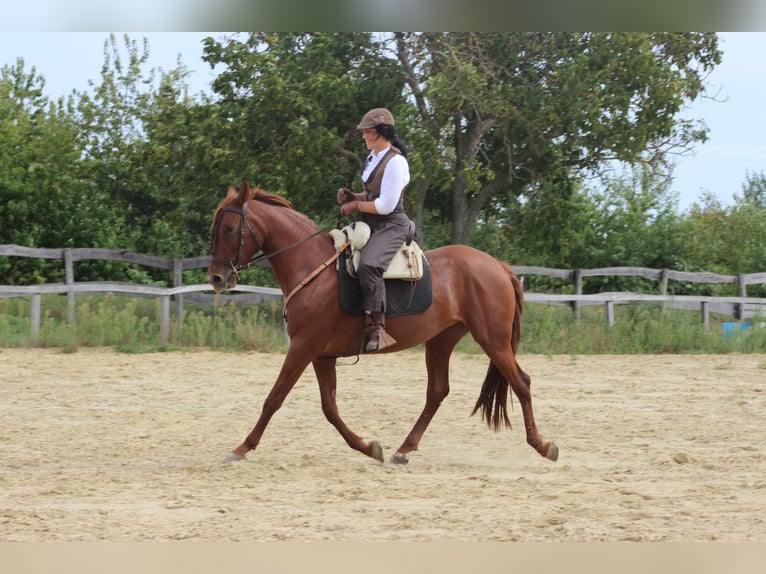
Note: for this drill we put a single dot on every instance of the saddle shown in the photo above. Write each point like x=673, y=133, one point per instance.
x=407, y=263
x=408, y=278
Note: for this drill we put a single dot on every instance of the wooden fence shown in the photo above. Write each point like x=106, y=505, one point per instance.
x=179, y=293
x=740, y=306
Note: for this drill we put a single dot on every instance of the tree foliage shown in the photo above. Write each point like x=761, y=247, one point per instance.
x=523, y=114
x=512, y=139
x=726, y=240
x=45, y=198
x=754, y=189
x=292, y=102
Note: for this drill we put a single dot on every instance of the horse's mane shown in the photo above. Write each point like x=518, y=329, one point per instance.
x=263, y=196
x=268, y=198
x=271, y=198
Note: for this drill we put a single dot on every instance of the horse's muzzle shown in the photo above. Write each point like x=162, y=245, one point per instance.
x=221, y=283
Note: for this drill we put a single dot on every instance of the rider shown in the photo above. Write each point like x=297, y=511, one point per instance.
x=384, y=176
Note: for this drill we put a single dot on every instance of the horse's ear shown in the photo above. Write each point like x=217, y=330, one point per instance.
x=244, y=193
x=232, y=192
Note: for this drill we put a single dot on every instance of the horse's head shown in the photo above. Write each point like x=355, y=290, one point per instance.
x=233, y=240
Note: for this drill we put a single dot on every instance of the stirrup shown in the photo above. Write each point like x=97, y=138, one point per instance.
x=384, y=340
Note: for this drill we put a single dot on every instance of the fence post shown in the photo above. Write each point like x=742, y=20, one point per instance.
x=706, y=315
x=178, y=279
x=664, y=281
x=577, y=274
x=70, y=295
x=164, y=318
x=610, y=313
x=664, y=287
x=34, y=318
x=740, y=309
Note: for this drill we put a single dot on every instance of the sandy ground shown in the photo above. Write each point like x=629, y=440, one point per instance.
x=97, y=445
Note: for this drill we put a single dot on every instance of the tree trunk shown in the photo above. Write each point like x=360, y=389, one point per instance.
x=420, y=202
x=461, y=226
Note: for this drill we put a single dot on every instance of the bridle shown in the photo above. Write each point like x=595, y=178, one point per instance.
x=237, y=266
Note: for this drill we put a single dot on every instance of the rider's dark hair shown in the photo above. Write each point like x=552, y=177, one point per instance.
x=389, y=133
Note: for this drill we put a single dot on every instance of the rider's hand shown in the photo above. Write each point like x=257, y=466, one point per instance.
x=345, y=195
x=349, y=207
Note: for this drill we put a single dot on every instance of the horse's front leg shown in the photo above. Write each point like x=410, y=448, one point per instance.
x=293, y=366
x=327, y=379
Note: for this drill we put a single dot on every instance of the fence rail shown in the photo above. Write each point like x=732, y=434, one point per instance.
x=164, y=294
x=740, y=307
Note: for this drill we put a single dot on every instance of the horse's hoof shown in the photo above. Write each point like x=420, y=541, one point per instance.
x=377, y=451
x=398, y=458
x=553, y=452
x=233, y=457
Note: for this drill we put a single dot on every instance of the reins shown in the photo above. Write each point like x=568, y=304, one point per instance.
x=238, y=267
x=265, y=256
x=311, y=276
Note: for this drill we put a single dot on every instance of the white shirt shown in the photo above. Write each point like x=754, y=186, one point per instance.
x=396, y=176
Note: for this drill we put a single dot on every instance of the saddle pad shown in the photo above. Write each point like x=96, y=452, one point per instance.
x=406, y=263
x=402, y=297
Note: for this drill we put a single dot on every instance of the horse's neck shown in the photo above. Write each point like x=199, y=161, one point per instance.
x=288, y=235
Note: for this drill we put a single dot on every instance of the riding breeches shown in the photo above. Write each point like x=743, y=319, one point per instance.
x=387, y=234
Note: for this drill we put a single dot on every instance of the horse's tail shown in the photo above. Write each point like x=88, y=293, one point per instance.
x=519, y=297
x=493, y=397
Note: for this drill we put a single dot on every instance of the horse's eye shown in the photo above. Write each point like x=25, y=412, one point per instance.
x=228, y=228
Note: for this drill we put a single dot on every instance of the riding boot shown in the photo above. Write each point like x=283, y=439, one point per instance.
x=377, y=336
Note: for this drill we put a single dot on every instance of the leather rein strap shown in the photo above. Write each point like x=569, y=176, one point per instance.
x=238, y=267
x=255, y=259
x=311, y=276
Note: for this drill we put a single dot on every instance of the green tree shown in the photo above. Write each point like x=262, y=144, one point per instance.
x=157, y=152
x=514, y=115
x=503, y=130
x=132, y=163
x=634, y=222
x=724, y=239
x=111, y=115
x=754, y=189
x=36, y=149
x=292, y=102
x=186, y=163
x=629, y=220
x=44, y=199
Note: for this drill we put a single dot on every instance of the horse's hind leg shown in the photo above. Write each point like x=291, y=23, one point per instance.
x=547, y=449
x=521, y=383
x=438, y=351
x=326, y=376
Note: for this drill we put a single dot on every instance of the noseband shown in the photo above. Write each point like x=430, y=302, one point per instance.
x=236, y=266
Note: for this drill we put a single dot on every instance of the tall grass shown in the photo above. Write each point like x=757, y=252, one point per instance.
x=638, y=328
x=133, y=325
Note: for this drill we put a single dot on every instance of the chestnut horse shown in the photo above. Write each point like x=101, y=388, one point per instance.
x=472, y=292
